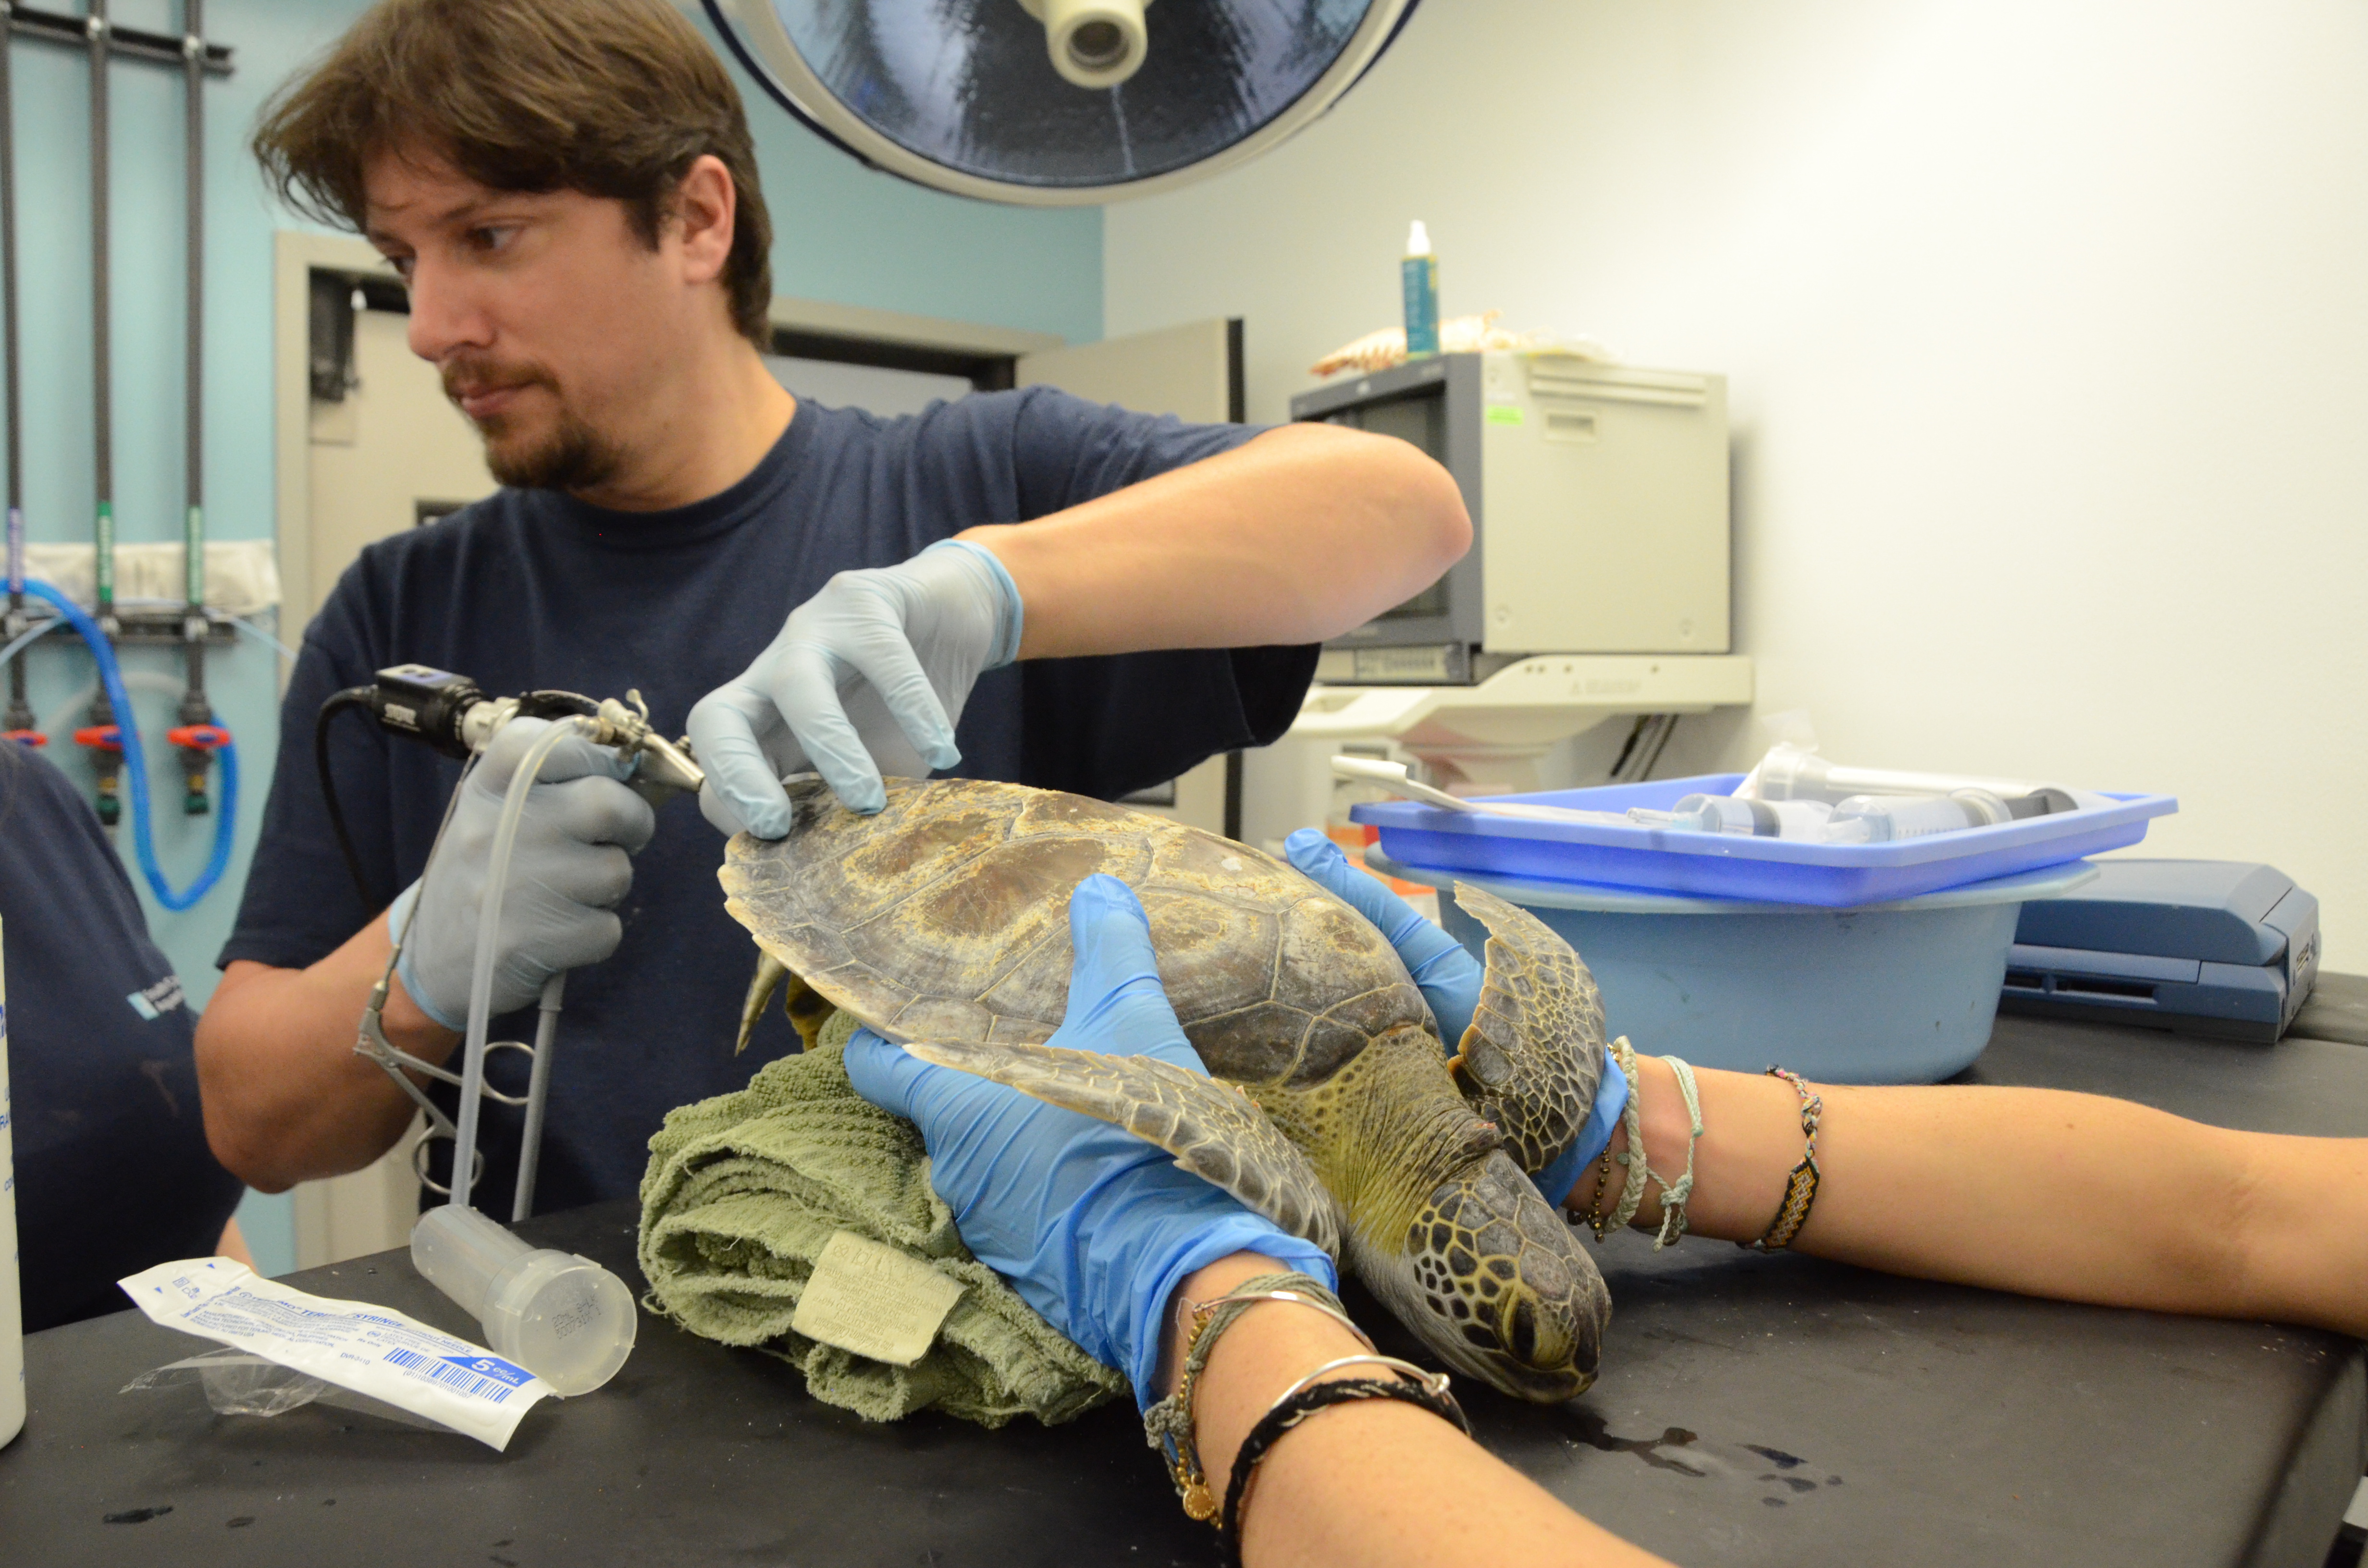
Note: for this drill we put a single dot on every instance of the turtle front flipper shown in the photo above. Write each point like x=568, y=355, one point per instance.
x=1212, y=1129
x=808, y=1009
x=1533, y=1057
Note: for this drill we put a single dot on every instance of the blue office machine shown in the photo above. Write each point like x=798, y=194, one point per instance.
x=2224, y=947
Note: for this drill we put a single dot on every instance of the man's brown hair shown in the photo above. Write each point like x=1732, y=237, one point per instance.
x=614, y=98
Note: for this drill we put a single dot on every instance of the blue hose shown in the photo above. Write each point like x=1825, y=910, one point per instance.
x=111, y=677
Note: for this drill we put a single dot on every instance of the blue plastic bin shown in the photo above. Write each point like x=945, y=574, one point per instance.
x=1717, y=865
x=1900, y=992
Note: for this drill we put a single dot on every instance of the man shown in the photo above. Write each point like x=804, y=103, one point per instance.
x=568, y=187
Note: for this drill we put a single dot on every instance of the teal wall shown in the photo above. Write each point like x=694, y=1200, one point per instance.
x=843, y=233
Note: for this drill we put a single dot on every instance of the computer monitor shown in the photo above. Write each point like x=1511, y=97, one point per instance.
x=1599, y=502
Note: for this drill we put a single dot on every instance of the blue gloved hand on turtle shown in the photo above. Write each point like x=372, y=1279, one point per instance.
x=1450, y=980
x=1450, y=977
x=570, y=867
x=867, y=675
x=1092, y=1225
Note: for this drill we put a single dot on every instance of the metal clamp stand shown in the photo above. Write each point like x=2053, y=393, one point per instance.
x=399, y=1063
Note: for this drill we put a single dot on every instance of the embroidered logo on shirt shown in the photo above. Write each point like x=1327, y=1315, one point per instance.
x=158, y=999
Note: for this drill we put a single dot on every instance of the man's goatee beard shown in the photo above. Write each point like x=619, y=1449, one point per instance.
x=573, y=457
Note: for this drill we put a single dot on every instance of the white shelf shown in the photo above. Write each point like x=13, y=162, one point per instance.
x=1529, y=705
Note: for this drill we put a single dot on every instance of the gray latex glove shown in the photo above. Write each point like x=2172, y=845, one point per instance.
x=569, y=868
x=867, y=676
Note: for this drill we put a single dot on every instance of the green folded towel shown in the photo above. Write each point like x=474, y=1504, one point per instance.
x=743, y=1191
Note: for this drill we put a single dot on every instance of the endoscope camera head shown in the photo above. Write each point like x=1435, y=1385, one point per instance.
x=454, y=715
x=429, y=705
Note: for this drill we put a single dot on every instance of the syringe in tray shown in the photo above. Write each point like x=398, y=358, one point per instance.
x=1859, y=819
x=1795, y=793
x=1789, y=773
x=1393, y=776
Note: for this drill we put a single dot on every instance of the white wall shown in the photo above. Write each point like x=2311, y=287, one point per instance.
x=2048, y=332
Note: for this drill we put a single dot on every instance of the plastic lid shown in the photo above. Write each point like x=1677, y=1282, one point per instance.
x=1418, y=239
x=563, y=1318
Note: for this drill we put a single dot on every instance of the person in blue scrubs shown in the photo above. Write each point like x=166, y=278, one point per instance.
x=1020, y=585
x=112, y=1170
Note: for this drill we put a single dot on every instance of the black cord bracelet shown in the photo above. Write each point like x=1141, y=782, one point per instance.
x=1290, y=1412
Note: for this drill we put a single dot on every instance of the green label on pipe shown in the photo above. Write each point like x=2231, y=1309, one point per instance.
x=197, y=554
x=104, y=565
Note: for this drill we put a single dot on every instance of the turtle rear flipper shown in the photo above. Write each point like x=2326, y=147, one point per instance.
x=808, y=1009
x=1533, y=1057
x=1211, y=1128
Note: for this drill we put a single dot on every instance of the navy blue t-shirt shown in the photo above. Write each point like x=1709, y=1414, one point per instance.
x=533, y=589
x=113, y=1174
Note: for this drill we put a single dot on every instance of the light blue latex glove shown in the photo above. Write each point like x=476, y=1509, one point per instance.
x=570, y=867
x=1449, y=978
x=867, y=675
x=1094, y=1227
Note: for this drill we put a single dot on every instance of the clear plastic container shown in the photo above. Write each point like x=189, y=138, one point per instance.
x=563, y=1318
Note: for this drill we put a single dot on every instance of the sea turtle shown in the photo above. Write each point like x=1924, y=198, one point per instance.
x=942, y=922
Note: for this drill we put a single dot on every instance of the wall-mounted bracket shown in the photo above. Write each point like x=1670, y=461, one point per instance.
x=132, y=43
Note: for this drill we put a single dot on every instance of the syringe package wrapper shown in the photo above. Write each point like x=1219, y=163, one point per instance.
x=372, y=1350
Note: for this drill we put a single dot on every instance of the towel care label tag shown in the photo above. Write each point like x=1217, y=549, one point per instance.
x=875, y=1300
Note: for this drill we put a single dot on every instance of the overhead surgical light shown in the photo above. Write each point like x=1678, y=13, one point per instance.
x=1055, y=103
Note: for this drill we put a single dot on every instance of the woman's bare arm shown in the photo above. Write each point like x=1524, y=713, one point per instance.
x=2038, y=1191
x=1373, y=1483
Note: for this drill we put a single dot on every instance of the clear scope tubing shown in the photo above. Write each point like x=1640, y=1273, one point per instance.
x=563, y=1318
x=481, y=976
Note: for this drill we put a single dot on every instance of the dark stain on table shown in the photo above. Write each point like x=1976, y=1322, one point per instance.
x=1596, y=1433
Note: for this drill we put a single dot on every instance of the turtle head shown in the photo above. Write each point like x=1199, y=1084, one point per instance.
x=1500, y=1287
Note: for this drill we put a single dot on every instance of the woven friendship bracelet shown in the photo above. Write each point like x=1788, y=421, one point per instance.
x=1168, y=1426
x=1632, y=1190
x=1305, y=1401
x=1674, y=1194
x=1801, y=1186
